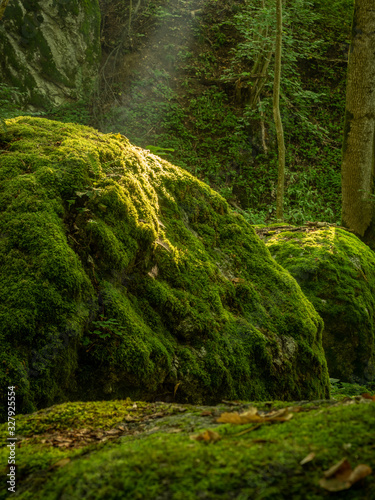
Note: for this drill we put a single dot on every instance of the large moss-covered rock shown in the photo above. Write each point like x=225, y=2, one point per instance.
x=123, y=275
x=336, y=272
x=50, y=50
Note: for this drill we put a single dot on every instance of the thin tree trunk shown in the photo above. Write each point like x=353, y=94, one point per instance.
x=359, y=131
x=277, y=116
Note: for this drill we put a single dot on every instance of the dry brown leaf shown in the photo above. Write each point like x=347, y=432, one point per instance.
x=334, y=484
x=158, y=414
x=339, y=468
x=235, y=418
x=367, y=395
x=282, y=415
x=154, y=272
x=112, y=432
x=207, y=436
x=361, y=471
x=164, y=244
x=252, y=416
x=160, y=223
x=341, y=476
x=308, y=458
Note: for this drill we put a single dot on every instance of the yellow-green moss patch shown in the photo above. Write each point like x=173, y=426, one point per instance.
x=336, y=272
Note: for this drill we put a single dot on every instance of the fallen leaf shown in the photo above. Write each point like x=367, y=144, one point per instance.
x=341, y=476
x=159, y=414
x=207, y=435
x=160, y=223
x=282, y=415
x=252, y=416
x=339, y=468
x=154, y=272
x=361, y=471
x=236, y=418
x=164, y=244
x=366, y=395
x=334, y=484
x=112, y=432
x=308, y=458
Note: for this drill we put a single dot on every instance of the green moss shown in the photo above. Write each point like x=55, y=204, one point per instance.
x=98, y=232
x=336, y=271
x=155, y=457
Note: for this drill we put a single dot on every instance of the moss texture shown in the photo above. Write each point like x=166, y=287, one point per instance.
x=51, y=51
x=113, y=450
x=123, y=275
x=336, y=272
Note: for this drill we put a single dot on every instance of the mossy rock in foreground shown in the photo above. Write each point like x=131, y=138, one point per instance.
x=123, y=275
x=336, y=272
x=126, y=450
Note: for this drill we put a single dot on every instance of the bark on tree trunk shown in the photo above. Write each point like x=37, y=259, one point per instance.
x=277, y=116
x=359, y=131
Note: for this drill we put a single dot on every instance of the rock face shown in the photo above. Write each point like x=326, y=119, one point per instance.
x=50, y=49
x=336, y=272
x=123, y=275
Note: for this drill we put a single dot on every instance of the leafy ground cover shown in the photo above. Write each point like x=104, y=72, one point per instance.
x=126, y=449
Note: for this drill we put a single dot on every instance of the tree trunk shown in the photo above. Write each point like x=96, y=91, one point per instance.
x=359, y=130
x=276, y=114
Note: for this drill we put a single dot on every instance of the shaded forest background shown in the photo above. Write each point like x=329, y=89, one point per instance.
x=192, y=81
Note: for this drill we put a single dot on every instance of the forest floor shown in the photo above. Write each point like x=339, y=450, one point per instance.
x=126, y=449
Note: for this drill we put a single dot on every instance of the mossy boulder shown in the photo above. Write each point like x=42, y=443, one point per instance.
x=336, y=272
x=123, y=275
x=50, y=50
